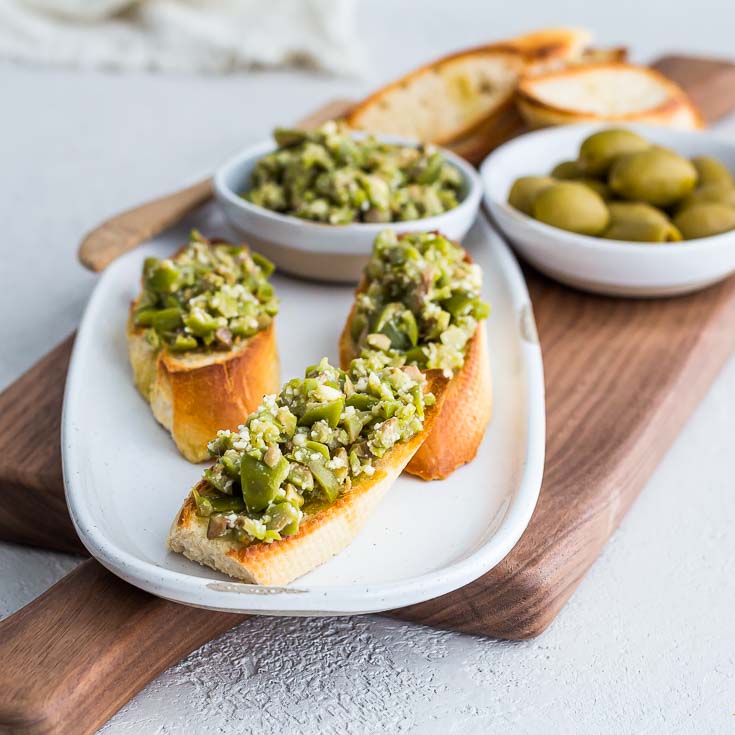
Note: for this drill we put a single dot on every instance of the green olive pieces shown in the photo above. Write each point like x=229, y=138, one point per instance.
x=524, y=191
x=623, y=187
x=703, y=220
x=572, y=206
x=655, y=176
x=598, y=152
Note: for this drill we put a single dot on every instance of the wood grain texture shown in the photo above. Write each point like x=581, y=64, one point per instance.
x=30, y=471
x=622, y=376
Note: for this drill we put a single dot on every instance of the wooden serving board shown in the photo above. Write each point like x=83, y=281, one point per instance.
x=622, y=376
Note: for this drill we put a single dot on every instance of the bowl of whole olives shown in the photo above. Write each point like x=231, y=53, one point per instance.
x=636, y=210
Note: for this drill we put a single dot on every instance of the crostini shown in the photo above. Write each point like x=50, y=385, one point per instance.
x=201, y=340
x=419, y=304
x=294, y=485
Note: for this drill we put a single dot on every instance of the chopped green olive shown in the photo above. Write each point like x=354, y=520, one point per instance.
x=329, y=412
x=325, y=478
x=167, y=320
x=227, y=504
x=183, y=343
x=362, y=401
x=260, y=482
x=318, y=447
x=161, y=275
x=284, y=518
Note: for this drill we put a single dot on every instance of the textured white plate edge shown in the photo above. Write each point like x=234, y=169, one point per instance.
x=336, y=599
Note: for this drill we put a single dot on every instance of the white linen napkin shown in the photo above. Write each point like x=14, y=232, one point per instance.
x=211, y=36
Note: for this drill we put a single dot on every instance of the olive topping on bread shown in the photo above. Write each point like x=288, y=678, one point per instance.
x=419, y=305
x=293, y=485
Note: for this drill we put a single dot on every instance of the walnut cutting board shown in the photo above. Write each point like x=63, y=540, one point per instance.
x=622, y=376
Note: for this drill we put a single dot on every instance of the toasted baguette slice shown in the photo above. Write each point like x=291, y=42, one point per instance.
x=614, y=92
x=444, y=100
x=195, y=394
x=320, y=536
x=465, y=410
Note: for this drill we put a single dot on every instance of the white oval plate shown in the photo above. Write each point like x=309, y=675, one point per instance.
x=125, y=480
x=614, y=267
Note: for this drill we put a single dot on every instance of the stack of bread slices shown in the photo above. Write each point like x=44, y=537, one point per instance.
x=474, y=100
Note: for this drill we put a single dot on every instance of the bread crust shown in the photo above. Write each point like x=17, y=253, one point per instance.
x=193, y=395
x=676, y=110
x=321, y=535
x=465, y=411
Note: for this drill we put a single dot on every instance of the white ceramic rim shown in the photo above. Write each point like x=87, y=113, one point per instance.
x=595, y=244
x=331, y=599
x=470, y=202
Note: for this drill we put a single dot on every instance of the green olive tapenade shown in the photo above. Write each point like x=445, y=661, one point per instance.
x=209, y=295
x=329, y=176
x=306, y=446
x=421, y=303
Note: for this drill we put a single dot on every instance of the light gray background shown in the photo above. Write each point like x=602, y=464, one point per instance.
x=647, y=643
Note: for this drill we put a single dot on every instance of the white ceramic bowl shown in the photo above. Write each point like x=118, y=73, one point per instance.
x=604, y=266
x=320, y=251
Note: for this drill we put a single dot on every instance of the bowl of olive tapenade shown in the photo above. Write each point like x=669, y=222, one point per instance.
x=314, y=201
x=632, y=211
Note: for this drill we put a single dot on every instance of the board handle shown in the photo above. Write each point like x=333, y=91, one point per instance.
x=128, y=229
x=75, y=655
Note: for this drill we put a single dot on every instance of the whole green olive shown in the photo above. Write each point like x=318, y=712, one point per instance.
x=572, y=206
x=705, y=219
x=642, y=231
x=714, y=192
x=599, y=150
x=656, y=176
x=712, y=171
x=567, y=170
x=524, y=191
x=636, y=212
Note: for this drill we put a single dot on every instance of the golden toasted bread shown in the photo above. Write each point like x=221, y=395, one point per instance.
x=321, y=535
x=465, y=411
x=613, y=92
x=446, y=99
x=195, y=394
